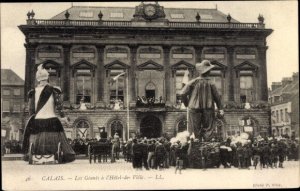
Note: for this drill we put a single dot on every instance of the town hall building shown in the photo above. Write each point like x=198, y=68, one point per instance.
x=121, y=68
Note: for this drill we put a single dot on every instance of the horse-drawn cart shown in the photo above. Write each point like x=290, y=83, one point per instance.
x=99, y=150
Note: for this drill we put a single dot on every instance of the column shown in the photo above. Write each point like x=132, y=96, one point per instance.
x=29, y=69
x=198, y=53
x=262, y=73
x=131, y=75
x=166, y=61
x=230, y=78
x=100, y=74
x=66, y=78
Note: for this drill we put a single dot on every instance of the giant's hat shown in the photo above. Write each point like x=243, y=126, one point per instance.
x=42, y=73
x=204, y=66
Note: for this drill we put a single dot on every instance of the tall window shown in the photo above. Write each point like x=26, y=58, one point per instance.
x=216, y=78
x=117, y=87
x=246, y=89
x=83, y=86
x=17, y=92
x=281, y=115
x=6, y=106
x=286, y=115
x=179, y=84
x=53, y=77
x=17, y=107
x=277, y=116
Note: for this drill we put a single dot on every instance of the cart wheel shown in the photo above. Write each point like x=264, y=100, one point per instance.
x=30, y=155
x=90, y=154
x=59, y=153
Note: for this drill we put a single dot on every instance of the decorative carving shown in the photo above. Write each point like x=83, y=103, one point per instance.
x=261, y=19
x=100, y=15
x=49, y=48
x=150, y=65
x=116, y=65
x=116, y=49
x=150, y=50
x=198, y=17
x=67, y=15
x=229, y=18
x=182, y=50
x=149, y=12
x=83, y=49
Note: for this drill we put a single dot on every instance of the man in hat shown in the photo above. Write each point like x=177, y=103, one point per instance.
x=199, y=95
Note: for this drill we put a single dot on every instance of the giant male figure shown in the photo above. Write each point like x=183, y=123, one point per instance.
x=199, y=95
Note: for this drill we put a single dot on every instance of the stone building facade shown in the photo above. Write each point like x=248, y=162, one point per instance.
x=85, y=48
x=284, y=100
x=12, y=105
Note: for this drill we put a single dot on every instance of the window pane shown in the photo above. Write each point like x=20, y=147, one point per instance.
x=17, y=92
x=84, y=88
x=246, y=82
x=6, y=92
x=217, y=80
x=113, y=85
x=17, y=107
x=5, y=106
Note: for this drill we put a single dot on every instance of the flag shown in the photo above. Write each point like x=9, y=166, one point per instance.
x=185, y=78
x=112, y=80
x=116, y=77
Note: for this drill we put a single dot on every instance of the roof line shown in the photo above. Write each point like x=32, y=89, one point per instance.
x=62, y=12
x=134, y=7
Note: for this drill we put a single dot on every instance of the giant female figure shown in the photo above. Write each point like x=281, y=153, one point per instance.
x=44, y=130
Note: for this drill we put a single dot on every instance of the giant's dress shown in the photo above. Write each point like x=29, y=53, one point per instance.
x=43, y=128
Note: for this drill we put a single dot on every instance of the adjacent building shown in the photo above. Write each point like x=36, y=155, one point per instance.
x=12, y=104
x=86, y=48
x=284, y=100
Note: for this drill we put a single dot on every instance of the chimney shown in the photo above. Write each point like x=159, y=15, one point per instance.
x=275, y=85
x=295, y=77
x=286, y=81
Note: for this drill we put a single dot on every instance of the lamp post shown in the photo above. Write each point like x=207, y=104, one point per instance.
x=127, y=100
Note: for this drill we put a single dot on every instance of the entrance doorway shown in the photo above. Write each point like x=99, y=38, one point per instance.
x=116, y=127
x=150, y=94
x=150, y=127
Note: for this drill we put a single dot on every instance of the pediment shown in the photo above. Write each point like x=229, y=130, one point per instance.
x=116, y=65
x=246, y=66
x=218, y=65
x=150, y=65
x=51, y=64
x=83, y=64
x=182, y=65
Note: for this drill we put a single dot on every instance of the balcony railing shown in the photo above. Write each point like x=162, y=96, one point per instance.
x=67, y=22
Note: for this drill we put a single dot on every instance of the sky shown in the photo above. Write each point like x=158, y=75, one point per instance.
x=281, y=16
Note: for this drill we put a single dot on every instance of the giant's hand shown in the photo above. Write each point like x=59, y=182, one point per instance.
x=222, y=112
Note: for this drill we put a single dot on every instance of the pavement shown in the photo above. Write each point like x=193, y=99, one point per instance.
x=81, y=175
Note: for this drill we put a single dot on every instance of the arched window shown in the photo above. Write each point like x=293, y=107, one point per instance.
x=182, y=126
x=116, y=127
x=82, y=129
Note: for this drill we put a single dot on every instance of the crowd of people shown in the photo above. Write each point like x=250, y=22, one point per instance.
x=162, y=153
x=149, y=101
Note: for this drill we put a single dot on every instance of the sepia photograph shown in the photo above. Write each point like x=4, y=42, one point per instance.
x=150, y=95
